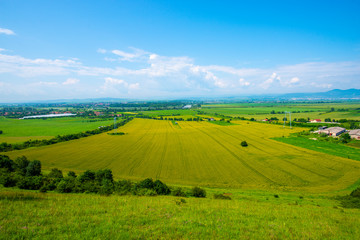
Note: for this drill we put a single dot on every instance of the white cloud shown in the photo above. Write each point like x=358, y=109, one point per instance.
x=71, y=81
x=45, y=83
x=134, y=86
x=6, y=31
x=149, y=72
x=131, y=57
x=2, y=49
x=101, y=50
x=242, y=82
x=271, y=80
x=294, y=80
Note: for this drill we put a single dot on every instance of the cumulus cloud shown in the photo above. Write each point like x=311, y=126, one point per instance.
x=271, y=80
x=130, y=57
x=118, y=84
x=71, y=81
x=6, y=31
x=150, y=72
x=294, y=80
x=242, y=82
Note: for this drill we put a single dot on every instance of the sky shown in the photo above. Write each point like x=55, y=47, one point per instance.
x=136, y=49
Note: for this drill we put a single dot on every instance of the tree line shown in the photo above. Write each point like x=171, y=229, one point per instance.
x=26, y=174
x=6, y=147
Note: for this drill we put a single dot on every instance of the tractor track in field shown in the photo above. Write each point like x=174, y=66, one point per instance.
x=162, y=157
x=183, y=160
x=290, y=162
x=137, y=162
x=235, y=156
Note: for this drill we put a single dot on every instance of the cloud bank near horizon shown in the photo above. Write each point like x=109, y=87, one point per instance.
x=138, y=73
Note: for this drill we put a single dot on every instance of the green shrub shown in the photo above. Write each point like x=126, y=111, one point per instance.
x=244, y=144
x=146, y=183
x=222, y=196
x=355, y=193
x=198, y=192
x=55, y=173
x=178, y=192
x=33, y=169
x=7, y=163
x=161, y=188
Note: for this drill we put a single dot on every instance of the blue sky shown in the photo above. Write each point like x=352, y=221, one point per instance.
x=176, y=49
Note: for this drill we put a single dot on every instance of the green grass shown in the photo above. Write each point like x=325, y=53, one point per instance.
x=202, y=153
x=336, y=149
x=17, y=130
x=249, y=215
x=261, y=111
x=222, y=123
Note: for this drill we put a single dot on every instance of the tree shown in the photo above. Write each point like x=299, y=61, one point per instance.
x=55, y=173
x=21, y=164
x=161, y=188
x=87, y=176
x=147, y=183
x=71, y=174
x=244, y=144
x=104, y=174
x=1, y=132
x=198, y=192
x=34, y=168
x=7, y=163
x=345, y=138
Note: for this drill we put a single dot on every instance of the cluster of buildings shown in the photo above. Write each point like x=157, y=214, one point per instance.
x=337, y=131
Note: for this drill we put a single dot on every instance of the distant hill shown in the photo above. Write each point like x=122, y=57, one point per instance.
x=332, y=94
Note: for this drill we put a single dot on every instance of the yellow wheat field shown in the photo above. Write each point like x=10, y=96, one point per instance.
x=201, y=153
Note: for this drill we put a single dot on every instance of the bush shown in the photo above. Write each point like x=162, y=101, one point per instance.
x=107, y=187
x=55, y=173
x=146, y=183
x=7, y=163
x=244, y=144
x=21, y=165
x=222, y=196
x=161, y=188
x=123, y=187
x=178, y=192
x=33, y=169
x=355, y=193
x=198, y=192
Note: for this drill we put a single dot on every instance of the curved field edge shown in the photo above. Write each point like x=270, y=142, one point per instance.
x=201, y=153
x=249, y=215
x=336, y=149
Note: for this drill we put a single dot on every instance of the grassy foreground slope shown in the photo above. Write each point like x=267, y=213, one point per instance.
x=250, y=215
x=200, y=153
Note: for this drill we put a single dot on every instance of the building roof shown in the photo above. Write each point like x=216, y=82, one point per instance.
x=355, y=132
x=335, y=129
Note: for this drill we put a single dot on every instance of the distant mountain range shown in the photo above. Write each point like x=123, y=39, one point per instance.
x=333, y=94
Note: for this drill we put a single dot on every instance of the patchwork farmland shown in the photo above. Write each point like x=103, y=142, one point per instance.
x=201, y=153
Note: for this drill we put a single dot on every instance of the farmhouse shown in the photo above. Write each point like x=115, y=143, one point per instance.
x=355, y=134
x=333, y=131
x=316, y=121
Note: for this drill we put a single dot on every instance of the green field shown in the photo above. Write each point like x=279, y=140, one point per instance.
x=249, y=215
x=18, y=130
x=202, y=153
x=261, y=111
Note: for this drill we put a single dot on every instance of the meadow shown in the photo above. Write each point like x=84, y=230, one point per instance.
x=259, y=111
x=19, y=130
x=205, y=154
x=249, y=215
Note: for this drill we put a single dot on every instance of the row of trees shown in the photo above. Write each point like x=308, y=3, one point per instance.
x=6, y=147
x=26, y=174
